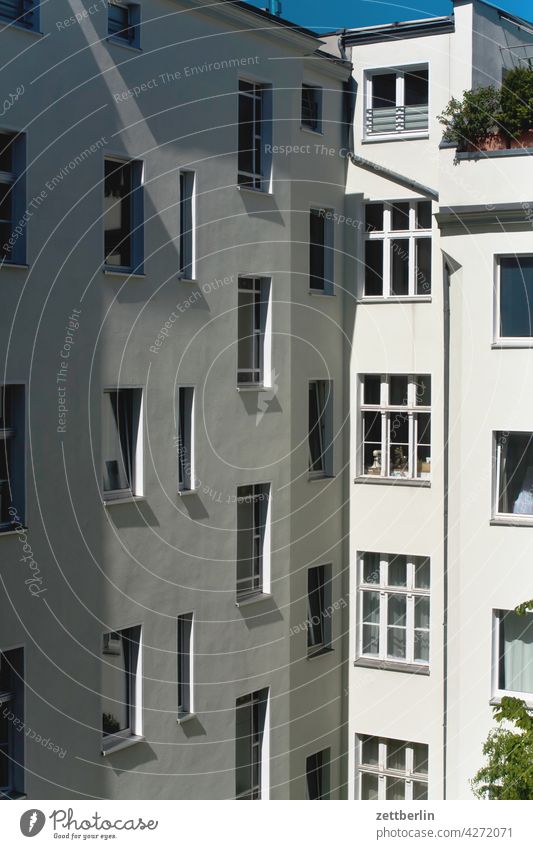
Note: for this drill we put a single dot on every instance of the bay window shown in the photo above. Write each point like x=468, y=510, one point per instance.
x=396, y=426
x=391, y=769
x=513, y=643
x=393, y=609
x=397, y=101
x=397, y=249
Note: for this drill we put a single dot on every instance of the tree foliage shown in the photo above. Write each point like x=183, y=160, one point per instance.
x=469, y=121
x=516, y=98
x=508, y=771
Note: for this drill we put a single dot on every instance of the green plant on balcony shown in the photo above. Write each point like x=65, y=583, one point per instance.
x=516, y=98
x=468, y=122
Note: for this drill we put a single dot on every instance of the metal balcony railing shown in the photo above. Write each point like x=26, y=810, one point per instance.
x=397, y=119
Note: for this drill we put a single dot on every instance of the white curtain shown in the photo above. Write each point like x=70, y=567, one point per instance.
x=518, y=652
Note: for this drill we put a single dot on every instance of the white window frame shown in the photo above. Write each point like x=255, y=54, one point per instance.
x=260, y=744
x=387, y=412
x=187, y=224
x=260, y=576
x=260, y=177
x=15, y=698
x=507, y=518
x=400, y=131
x=189, y=708
x=319, y=101
x=497, y=692
x=136, y=234
x=385, y=589
x=135, y=690
x=387, y=237
x=188, y=482
x=261, y=332
x=12, y=443
x=382, y=772
x=136, y=488
x=328, y=247
x=499, y=340
x=324, y=427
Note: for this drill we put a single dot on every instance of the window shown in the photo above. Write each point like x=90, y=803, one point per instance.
x=12, y=198
x=21, y=12
x=396, y=426
x=397, y=101
x=397, y=249
x=321, y=264
x=514, y=474
x=392, y=769
x=122, y=442
x=254, y=332
x=250, y=728
x=311, y=107
x=317, y=775
x=123, y=22
x=254, y=159
x=320, y=428
x=318, y=609
x=123, y=215
x=252, y=539
x=12, y=474
x=187, y=224
x=513, y=637
x=393, y=608
x=185, y=700
x=185, y=438
x=514, y=304
x=11, y=722
x=121, y=685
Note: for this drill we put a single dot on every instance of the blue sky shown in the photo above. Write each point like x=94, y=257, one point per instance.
x=333, y=14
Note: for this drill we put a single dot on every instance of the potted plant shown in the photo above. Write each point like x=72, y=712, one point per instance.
x=473, y=121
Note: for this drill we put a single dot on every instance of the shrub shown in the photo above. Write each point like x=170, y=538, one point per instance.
x=516, y=115
x=469, y=121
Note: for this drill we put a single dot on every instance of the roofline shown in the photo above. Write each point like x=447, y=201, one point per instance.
x=399, y=30
x=504, y=13
x=283, y=22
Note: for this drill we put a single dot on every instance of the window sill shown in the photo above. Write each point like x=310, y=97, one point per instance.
x=253, y=599
x=118, y=745
x=253, y=387
x=12, y=795
x=387, y=137
x=311, y=654
x=9, y=531
x=255, y=191
x=317, y=293
x=183, y=279
x=122, y=43
x=320, y=477
x=129, y=499
x=317, y=132
x=123, y=272
x=404, y=299
x=512, y=343
x=181, y=720
x=17, y=266
x=378, y=479
x=20, y=28
x=392, y=666
x=513, y=521
x=183, y=492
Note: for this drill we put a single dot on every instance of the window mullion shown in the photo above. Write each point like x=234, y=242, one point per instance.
x=411, y=266
x=410, y=623
x=383, y=605
x=412, y=445
x=385, y=426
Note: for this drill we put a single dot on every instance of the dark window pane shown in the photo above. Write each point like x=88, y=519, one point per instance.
x=416, y=88
x=6, y=153
x=423, y=266
x=246, y=134
x=398, y=390
x=372, y=389
x=317, y=249
x=423, y=390
x=423, y=215
x=398, y=571
x=400, y=216
x=383, y=91
x=371, y=567
x=400, y=267
x=118, y=214
x=310, y=107
x=516, y=473
x=374, y=217
x=373, y=268
x=516, y=296
x=119, y=22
